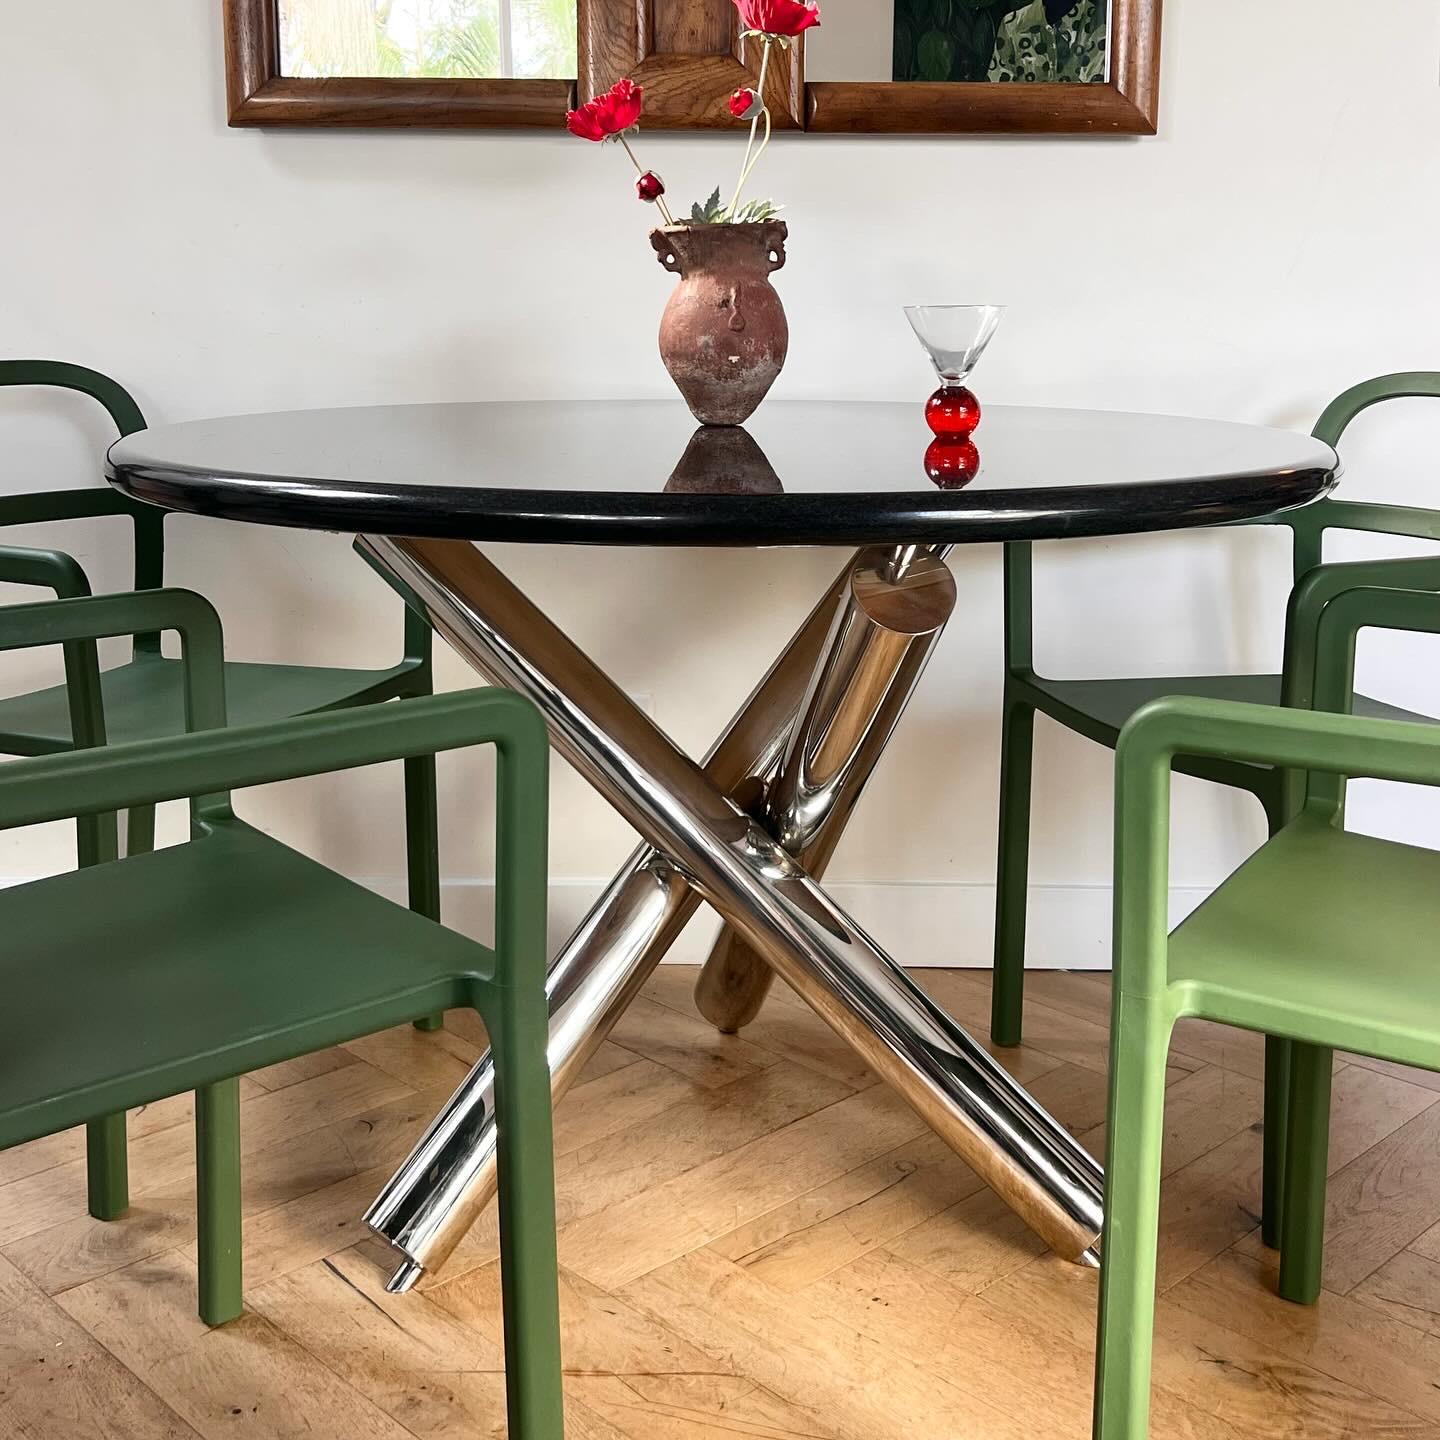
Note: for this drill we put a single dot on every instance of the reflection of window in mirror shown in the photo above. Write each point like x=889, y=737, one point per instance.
x=428, y=39
x=962, y=40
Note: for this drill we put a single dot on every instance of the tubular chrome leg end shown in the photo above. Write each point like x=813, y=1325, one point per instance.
x=405, y=1278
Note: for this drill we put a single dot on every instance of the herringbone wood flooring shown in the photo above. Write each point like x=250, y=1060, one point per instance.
x=757, y=1240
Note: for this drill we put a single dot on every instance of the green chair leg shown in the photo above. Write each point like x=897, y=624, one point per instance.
x=1302, y=1228
x=140, y=830
x=529, y=1267
x=1007, y=995
x=422, y=848
x=1136, y=1129
x=1275, y=1140
x=107, y=1167
x=105, y=1149
x=1277, y=1076
x=217, y=1177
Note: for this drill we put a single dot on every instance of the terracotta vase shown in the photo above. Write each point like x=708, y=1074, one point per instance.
x=723, y=336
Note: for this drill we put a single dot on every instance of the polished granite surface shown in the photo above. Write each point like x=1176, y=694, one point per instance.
x=642, y=472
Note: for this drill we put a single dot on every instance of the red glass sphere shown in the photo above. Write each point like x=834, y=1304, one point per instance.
x=952, y=412
x=649, y=187
x=952, y=464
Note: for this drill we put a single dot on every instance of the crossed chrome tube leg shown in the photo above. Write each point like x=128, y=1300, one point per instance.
x=741, y=834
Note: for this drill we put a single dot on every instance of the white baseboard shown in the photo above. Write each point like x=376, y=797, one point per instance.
x=919, y=924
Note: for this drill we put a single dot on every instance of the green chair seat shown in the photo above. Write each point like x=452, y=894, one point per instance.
x=1334, y=915
x=188, y=955
x=145, y=699
x=1100, y=708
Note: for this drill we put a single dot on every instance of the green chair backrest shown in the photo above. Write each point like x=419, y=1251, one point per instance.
x=1307, y=525
x=148, y=520
x=1310, y=522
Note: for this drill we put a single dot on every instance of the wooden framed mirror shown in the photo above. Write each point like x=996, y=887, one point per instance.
x=871, y=67
x=1045, y=67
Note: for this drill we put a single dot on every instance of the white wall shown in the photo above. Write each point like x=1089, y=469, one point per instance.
x=856, y=41
x=1276, y=243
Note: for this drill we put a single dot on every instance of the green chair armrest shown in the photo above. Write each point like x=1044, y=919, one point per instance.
x=148, y=521
x=145, y=772
x=1406, y=520
x=76, y=623
x=45, y=506
x=62, y=573
x=98, y=617
x=205, y=763
x=1409, y=521
x=49, y=569
x=1323, y=584
x=1342, y=745
x=1350, y=745
x=1326, y=739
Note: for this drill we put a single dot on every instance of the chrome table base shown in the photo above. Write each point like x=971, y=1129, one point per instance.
x=746, y=834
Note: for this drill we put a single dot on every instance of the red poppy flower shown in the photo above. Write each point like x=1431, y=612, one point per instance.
x=608, y=114
x=777, y=17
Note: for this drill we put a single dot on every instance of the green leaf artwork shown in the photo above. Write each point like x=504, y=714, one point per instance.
x=1000, y=40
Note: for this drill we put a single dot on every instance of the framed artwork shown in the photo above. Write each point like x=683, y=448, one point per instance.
x=871, y=67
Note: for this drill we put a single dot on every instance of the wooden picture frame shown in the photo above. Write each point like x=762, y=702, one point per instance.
x=1127, y=102
x=258, y=94
x=689, y=56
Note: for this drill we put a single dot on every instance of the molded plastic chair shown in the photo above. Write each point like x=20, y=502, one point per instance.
x=144, y=697
x=1324, y=937
x=1098, y=709
x=132, y=979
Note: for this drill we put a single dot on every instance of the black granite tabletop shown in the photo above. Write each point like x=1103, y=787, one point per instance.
x=641, y=472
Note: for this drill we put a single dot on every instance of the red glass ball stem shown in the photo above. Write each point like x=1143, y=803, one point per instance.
x=952, y=464
x=952, y=412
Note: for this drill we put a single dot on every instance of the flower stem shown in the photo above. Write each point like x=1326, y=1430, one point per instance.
x=760, y=150
x=751, y=154
x=660, y=204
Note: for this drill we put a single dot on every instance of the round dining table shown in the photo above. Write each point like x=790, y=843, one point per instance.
x=749, y=828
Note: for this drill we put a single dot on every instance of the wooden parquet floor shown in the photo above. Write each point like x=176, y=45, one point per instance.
x=757, y=1240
